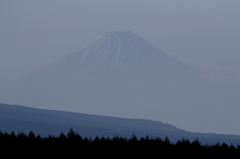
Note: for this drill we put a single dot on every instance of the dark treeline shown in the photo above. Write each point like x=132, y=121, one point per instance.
x=72, y=144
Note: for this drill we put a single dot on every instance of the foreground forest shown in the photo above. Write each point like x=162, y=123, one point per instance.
x=72, y=144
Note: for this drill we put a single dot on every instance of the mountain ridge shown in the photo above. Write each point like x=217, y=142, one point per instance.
x=51, y=122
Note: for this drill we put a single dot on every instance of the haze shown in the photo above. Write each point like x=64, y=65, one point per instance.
x=205, y=34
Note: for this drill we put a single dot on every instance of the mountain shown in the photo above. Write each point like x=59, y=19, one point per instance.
x=120, y=74
x=118, y=54
x=49, y=122
x=118, y=51
x=113, y=75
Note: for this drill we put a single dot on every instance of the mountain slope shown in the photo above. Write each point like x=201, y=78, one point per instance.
x=117, y=51
x=115, y=72
x=122, y=75
x=48, y=122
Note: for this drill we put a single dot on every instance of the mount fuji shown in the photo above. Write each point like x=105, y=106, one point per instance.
x=118, y=51
x=117, y=74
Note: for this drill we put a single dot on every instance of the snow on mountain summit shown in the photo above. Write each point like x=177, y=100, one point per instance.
x=118, y=50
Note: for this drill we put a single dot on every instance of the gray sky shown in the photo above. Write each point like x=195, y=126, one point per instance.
x=35, y=33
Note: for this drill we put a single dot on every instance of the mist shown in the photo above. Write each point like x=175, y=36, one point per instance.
x=203, y=34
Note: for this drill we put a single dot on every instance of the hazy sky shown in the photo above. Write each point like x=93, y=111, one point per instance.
x=34, y=33
x=205, y=33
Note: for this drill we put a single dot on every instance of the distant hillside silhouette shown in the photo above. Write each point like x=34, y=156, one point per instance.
x=48, y=122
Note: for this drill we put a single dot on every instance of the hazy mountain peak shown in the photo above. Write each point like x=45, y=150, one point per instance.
x=117, y=74
x=115, y=50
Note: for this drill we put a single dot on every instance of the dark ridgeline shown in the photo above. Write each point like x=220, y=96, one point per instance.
x=48, y=122
x=73, y=145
